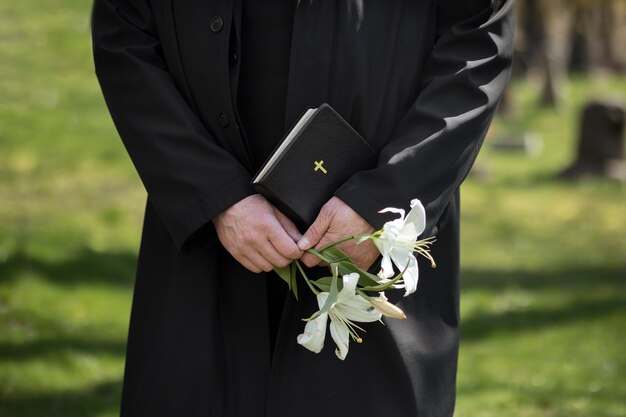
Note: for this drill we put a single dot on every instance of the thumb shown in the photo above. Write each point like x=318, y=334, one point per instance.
x=315, y=232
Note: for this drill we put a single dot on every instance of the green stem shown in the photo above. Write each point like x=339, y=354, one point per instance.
x=306, y=278
x=363, y=294
x=319, y=255
x=345, y=239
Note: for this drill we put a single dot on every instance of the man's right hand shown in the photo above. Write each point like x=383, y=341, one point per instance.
x=257, y=234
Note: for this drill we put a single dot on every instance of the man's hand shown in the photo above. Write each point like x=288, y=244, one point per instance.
x=335, y=221
x=257, y=234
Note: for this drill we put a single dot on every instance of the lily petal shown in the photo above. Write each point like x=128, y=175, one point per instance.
x=401, y=257
x=339, y=333
x=414, y=223
x=386, y=267
x=352, y=306
x=357, y=312
x=393, y=210
x=349, y=286
x=314, y=333
x=392, y=229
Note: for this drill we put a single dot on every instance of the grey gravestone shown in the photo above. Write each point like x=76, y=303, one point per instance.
x=601, y=142
x=525, y=142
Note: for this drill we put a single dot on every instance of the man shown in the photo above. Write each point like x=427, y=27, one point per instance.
x=419, y=79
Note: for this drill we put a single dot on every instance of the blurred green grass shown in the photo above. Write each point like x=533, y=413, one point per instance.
x=544, y=263
x=544, y=272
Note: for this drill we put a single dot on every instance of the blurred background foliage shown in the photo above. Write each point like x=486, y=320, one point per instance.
x=544, y=261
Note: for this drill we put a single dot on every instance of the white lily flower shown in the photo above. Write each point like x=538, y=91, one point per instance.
x=315, y=330
x=348, y=309
x=398, y=241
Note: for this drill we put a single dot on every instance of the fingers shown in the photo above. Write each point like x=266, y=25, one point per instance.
x=312, y=260
x=317, y=230
x=271, y=247
x=259, y=262
x=288, y=225
x=314, y=235
x=253, y=233
x=282, y=244
x=280, y=248
x=260, y=237
x=337, y=220
x=263, y=256
x=247, y=263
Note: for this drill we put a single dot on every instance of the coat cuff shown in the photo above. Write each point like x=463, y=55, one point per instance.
x=194, y=225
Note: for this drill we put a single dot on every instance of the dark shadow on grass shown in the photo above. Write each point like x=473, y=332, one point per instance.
x=83, y=268
x=54, y=339
x=484, y=325
x=573, y=284
x=562, y=279
x=87, y=402
x=54, y=346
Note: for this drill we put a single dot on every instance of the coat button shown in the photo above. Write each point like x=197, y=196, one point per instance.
x=216, y=24
x=224, y=119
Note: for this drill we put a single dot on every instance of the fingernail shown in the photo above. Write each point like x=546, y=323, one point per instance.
x=304, y=243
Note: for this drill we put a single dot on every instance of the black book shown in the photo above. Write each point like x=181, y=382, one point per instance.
x=314, y=159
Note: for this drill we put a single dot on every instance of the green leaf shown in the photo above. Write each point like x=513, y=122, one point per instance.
x=306, y=278
x=323, y=283
x=332, y=293
x=365, y=278
x=293, y=279
x=334, y=254
x=284, y=274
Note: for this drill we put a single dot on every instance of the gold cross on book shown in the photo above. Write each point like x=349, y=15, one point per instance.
x=318, y=165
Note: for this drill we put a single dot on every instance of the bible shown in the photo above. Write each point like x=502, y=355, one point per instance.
x=313, y=160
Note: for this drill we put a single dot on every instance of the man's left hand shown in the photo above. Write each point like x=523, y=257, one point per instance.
x=337, y=220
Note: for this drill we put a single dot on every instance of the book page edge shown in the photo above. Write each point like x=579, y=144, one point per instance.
x=285, y=143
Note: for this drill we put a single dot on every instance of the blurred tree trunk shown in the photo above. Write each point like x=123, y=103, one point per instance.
x=534, y=49
x=550, y=94
x=607, y=35
x=595, y=35
x=606, y=31
x=579, y=57
x=534, y=31
x=536, y=19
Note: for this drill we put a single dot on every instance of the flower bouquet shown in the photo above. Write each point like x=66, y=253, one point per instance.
x=358, y=296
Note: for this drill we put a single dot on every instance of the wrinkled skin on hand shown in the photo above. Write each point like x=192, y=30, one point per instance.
x=337, y=220
x=257, y=234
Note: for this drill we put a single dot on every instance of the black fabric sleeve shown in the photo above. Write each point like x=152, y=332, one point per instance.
x=188, y=176
x=436, y=142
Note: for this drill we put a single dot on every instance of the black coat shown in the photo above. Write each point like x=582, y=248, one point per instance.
x=420, y=79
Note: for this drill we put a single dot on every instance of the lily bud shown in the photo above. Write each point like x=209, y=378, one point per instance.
x=385, y=307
